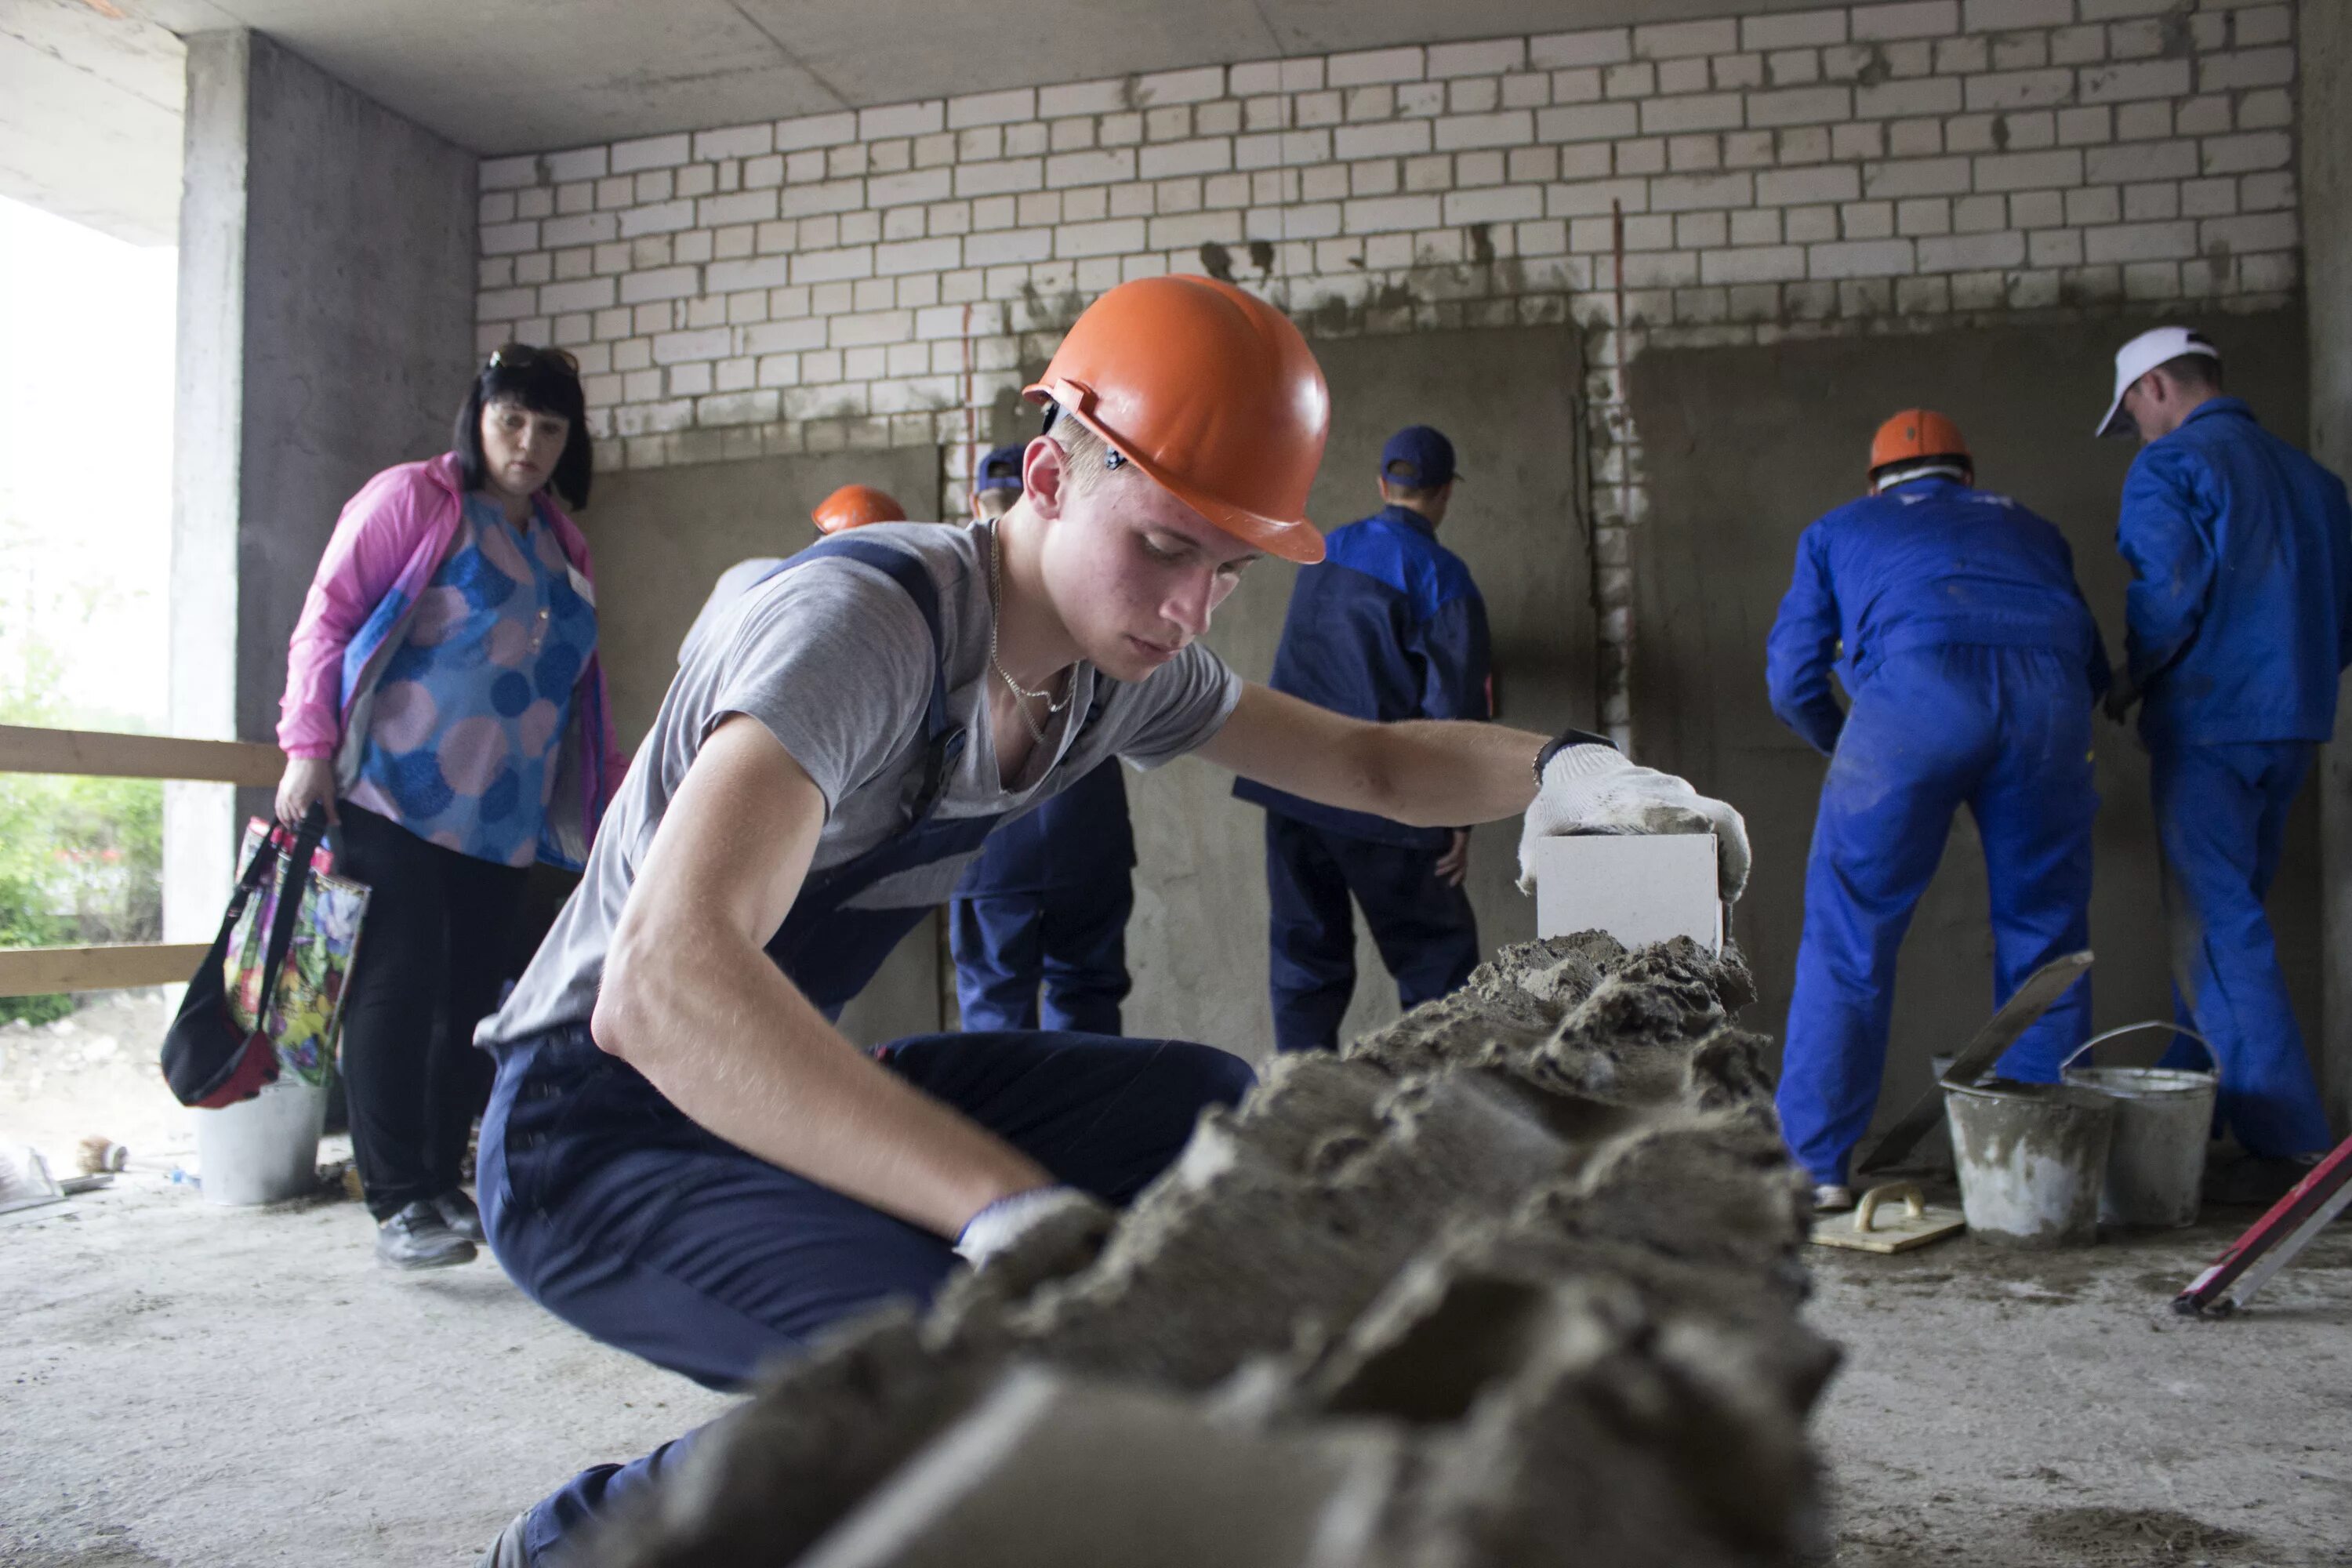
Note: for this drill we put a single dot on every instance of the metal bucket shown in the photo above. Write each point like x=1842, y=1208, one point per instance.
x=2033, y=1158
x=263, y=1150
x=2163, y=1118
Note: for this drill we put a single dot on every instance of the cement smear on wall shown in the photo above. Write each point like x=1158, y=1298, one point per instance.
x=1515, y=1275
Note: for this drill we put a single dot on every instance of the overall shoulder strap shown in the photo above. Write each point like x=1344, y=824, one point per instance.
x=943, y=739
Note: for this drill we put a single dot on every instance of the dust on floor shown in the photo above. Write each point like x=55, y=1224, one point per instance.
x=2047, y=1410
x=194, y=1386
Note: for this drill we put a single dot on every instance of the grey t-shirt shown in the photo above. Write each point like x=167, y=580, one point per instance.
x=833, y=659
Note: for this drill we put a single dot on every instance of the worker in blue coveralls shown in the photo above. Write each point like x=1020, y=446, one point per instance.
x=1044, y=908
x=682, y=1156
x=1389, y=627
x=2239, y=620
x=1952, y=616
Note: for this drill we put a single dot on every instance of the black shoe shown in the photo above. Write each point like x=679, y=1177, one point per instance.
x=418, y=1238
x=2255, y=1180
x=458, y=1213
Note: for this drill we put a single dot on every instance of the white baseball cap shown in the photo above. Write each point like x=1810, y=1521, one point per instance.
x=2154, y=347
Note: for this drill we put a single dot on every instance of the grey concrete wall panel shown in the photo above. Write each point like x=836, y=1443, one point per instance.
x=1521, y=1270
x=661, y=538
x=1745, y=446
x=359, y=330
x=1198, y=942
x=208, y=399
x=2325, y=78
x=326, y=319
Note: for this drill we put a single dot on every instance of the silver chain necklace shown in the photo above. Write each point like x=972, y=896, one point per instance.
x=1022, y=695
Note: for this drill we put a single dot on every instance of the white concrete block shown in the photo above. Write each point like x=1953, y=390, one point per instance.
x=1639, y=889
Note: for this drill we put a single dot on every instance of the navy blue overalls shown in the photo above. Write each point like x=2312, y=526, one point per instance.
x=1044, y=911
x=1389, y=627
x=614, y=1210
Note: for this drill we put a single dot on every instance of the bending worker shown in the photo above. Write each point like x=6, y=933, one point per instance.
x=1387, y=626
x=2239, y=620
x=851, y=506
x=1044, y=908
x=681, y=1156
x=1953, y=618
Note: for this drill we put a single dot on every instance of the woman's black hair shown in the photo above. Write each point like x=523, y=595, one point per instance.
x=543, y=384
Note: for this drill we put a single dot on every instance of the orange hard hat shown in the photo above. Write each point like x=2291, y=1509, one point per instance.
x=1211, y=392
x=1914, y=433
x=855, y=505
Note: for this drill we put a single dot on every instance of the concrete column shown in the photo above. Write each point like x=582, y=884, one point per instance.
x=325, y=332
x=2326, y=116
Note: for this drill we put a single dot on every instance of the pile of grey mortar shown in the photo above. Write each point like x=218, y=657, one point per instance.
x=1514, y=1280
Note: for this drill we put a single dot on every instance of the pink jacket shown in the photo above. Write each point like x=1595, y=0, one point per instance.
x=386, y=546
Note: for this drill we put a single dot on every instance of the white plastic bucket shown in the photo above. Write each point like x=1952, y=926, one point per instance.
x=2033, y=1159
x=2164, y=1120
x=263, y=1150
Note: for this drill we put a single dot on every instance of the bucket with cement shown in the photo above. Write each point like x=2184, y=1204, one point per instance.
x=2163, y=1118
x=2033, y=1158
x=263, y=1150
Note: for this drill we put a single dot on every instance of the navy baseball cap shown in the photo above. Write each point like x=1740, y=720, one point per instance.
x=1000, y=470
x=1418, y=458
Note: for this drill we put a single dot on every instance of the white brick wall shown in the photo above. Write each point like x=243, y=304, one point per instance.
x=863, y=279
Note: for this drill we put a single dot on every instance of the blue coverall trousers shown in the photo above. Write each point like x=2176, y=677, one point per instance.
x=2005, y=731
x=1068, y=942
x=627, y=1220
x=2220, y=816
x=1424, y=929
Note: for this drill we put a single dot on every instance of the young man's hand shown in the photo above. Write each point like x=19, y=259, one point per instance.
x=1454, y=863
x=1594, y=788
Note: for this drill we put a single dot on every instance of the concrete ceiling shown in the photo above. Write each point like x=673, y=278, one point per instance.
x=91, y=90
x=90, y=117
x=515, y=76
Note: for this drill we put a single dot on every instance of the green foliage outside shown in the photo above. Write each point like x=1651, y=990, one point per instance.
x=81, y=859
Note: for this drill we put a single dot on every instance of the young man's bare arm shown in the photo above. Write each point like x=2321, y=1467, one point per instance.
x=691, y=1000
x=1429, y=773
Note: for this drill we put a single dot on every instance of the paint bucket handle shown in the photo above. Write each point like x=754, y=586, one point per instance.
x=2212, y=1054
x=1913, y=1206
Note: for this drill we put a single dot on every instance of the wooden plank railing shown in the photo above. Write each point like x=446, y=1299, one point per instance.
x=38, y=971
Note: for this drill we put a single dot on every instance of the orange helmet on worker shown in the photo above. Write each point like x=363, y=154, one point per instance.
x=855, y=505
x=1916, y=442
x=1210, y=392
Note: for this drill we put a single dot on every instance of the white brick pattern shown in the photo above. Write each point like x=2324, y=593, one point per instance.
x=870, y=278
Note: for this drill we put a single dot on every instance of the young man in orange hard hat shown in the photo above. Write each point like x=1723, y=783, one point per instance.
x=2238, y=625
x=1038, y=925
x=682, y=1156
x=1952, y=617
x=851, y=506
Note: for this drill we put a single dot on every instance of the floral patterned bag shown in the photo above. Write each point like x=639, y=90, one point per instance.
x=305, y=1015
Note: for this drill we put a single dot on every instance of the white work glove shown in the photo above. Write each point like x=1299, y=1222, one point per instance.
x=1046, y=1220
x=1589, y=786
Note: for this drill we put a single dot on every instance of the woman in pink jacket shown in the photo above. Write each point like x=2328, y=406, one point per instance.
x=444, y=703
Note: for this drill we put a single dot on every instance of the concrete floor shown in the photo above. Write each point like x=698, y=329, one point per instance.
x=191, y=1386
x=197, y=1386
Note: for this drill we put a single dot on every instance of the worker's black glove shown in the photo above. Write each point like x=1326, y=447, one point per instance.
x=2120, y=699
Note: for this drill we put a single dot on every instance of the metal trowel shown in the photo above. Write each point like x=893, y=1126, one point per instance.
x=2034, y=998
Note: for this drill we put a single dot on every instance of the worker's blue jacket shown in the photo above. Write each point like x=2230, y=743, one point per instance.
x=1925, y=564
x=2240, y=611
x=1389, y=627
x=1078, y=837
